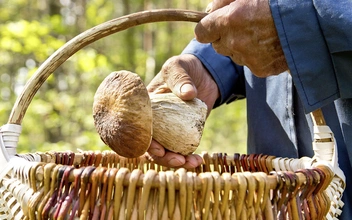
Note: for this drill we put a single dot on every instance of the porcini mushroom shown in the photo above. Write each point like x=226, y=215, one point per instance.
x=122, y=114
x=126, y=117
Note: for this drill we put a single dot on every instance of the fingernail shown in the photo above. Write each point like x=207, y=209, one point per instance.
x=175, y=162
x=186, y=88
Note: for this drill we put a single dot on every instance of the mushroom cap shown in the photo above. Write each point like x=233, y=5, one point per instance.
x=123, y=115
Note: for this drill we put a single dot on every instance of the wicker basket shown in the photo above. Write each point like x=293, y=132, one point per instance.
x=102, y=185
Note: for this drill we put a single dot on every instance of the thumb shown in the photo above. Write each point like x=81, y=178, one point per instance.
x=182, y=85
x=187, y=91
x=178, y=81
x=208, y=29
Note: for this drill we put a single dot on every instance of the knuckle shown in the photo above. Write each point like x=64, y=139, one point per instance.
x=174, y=71
x=221, y=49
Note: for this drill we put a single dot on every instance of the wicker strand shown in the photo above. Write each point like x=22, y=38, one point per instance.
x=147, y=182
x=251, y=187
x=242, y=188
x=216, y=194
x=118, y=196
x=190, y=190
x=182, y=175
x=170, y=193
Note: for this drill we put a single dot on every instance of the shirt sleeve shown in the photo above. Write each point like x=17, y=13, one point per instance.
x=317, y=43
x=228, y=76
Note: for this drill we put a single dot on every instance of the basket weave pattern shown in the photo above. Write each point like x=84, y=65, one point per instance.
x=104, y=185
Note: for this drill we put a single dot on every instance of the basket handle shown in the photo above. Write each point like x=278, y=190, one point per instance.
x=318, y=117
x=87, y=37
x=10, y=132
x=91, y=35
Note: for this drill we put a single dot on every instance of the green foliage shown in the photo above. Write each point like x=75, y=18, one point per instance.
x=60, y=115
x=226, y=129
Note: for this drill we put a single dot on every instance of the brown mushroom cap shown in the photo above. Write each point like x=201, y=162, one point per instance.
x=123, y=115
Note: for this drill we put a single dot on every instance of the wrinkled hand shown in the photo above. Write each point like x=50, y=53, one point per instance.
x=185, y=76
x=244, y=30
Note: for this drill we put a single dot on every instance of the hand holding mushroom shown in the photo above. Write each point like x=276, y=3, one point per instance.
x=127, y=119
x=186, y=77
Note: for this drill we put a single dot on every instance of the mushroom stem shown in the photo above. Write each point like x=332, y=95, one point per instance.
x=178, y=125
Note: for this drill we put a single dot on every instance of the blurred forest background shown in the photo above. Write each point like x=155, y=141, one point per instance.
x=60, y=116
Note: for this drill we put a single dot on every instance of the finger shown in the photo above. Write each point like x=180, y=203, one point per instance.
x=238, y=58
x=178, y=80
x=187, y=91
x=193, y=161
x=157, y=153
x=156, y=149
x=169, y=159
x=216, y=4
x=208, y=29
x=157, y=85
x=220, y=48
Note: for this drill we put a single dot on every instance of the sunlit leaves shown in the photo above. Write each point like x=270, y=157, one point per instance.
x=25, y=37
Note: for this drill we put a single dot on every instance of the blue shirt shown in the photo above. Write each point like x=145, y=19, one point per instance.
x=326, y=43
x=320, y=63
x=276, y=118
